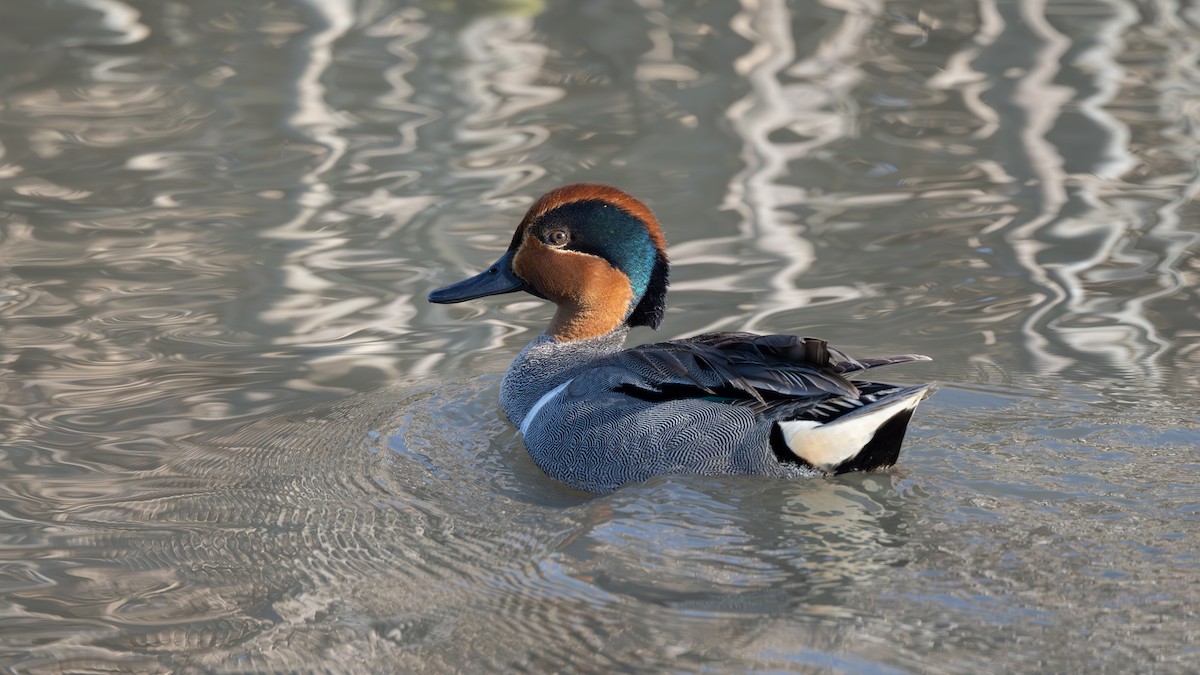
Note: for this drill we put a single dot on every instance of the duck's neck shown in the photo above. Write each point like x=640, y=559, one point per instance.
x=546, y=363
x=586, y=319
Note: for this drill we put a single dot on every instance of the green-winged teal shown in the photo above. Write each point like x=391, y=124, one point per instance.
x=597, y=416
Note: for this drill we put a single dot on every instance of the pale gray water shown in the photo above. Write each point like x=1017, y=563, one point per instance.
x=235, y=438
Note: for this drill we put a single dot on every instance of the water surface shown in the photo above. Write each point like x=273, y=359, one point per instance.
x=235, y=438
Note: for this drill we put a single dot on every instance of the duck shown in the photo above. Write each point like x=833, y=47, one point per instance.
x=597, y=416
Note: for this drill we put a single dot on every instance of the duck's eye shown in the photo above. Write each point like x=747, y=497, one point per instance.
x=558, y=238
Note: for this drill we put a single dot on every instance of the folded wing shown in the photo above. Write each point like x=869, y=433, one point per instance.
x=744, y=366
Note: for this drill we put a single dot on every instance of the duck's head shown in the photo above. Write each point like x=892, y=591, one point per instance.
x=593, y=250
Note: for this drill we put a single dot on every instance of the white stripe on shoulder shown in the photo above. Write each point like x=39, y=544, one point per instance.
x=537, y=407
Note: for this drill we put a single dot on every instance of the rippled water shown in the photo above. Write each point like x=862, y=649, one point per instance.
x=234, y=437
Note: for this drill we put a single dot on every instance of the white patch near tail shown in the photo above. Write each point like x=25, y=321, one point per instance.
x=826, y=445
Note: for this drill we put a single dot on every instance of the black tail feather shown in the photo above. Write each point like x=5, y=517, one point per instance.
x=884, y=447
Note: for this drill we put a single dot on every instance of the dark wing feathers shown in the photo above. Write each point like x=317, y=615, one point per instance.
x=745, y=365
x=674, y=365
x=854, y=365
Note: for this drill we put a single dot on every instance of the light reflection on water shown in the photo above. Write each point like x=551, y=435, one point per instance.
x=218, y=214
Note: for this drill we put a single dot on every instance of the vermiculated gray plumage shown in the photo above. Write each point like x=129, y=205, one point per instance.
x=704, y=405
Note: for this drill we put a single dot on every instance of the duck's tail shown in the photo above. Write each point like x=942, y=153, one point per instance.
x=865, y=438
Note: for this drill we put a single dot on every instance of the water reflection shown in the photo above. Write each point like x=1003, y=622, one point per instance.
x=741, y=546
